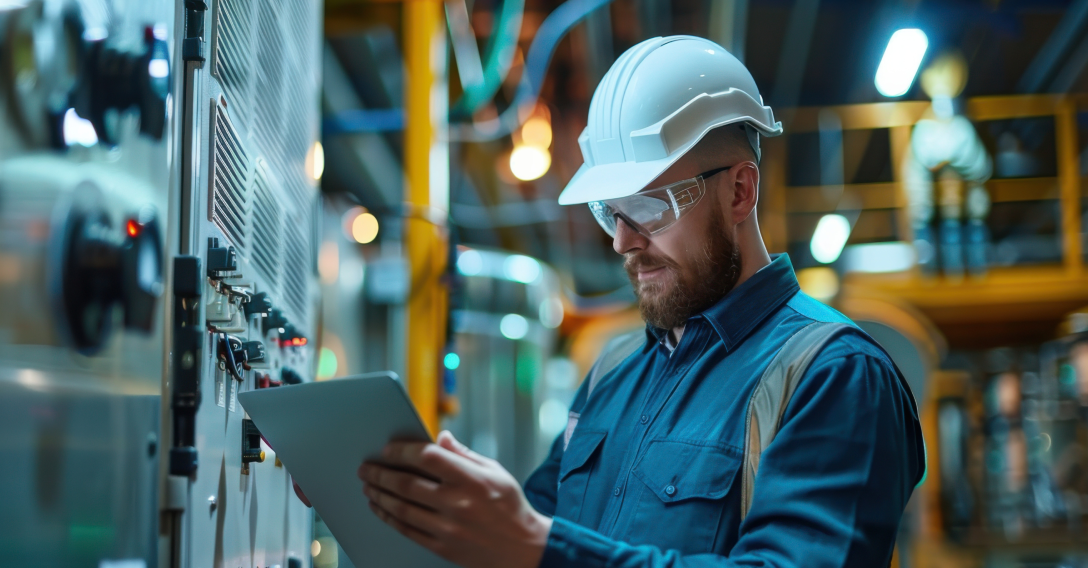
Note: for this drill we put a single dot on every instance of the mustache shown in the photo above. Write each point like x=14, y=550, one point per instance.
x=640, y=261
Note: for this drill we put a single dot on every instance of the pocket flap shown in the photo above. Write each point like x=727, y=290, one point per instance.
x=680, y=470
x=582, y=445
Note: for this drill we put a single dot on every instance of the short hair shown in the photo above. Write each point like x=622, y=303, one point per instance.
x=724, y=145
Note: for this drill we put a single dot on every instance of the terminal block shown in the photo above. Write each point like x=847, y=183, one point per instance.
x=251, y=445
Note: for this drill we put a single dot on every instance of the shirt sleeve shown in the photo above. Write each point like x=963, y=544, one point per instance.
x=831, y=487
x=542, y=486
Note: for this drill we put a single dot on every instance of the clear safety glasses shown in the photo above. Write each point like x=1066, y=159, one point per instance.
x=653, y=210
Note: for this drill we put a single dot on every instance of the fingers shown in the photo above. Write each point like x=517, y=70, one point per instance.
x=409, y=531
x=429, y=458
x=448, y=441
x=407, y=513
x=403, y=484
x=301, y=495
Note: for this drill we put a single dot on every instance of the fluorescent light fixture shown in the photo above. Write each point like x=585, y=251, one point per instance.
x=900, y=63
x=521, y=268
x=470, y=263
x=513, y=326
x=879, y=257
x=78, y=130
x=829, y=238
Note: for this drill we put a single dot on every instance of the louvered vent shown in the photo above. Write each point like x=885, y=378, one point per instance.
x=230, y=167
x=297, y=265
x=270, y=113
x=234, y=53
x=267, y=239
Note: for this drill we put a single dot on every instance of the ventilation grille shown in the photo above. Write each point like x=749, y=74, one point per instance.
x=267, y=223
x=230, y=164
x=297, y=266
x=269, y=117
x=233, y=52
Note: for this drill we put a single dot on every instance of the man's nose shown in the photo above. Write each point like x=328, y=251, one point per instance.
x=627, y=239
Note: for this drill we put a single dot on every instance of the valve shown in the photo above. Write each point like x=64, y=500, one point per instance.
x=103, y=267
x=111, y=79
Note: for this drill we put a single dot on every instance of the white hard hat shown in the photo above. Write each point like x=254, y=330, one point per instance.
x=655, y=103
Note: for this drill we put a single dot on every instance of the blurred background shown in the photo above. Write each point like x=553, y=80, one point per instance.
x=929, y=185
x=215, y=196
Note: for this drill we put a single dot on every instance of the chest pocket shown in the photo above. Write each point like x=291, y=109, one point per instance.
x=574, y=471
x=685, y=489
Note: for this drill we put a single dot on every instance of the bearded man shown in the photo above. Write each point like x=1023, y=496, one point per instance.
x=651, y=469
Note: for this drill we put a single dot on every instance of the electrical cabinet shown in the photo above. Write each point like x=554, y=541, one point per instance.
x=158, y=210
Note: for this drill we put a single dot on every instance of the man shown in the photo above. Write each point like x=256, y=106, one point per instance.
x=649, y=471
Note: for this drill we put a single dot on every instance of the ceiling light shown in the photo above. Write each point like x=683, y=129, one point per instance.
x=529, y=162
x=364, y=229
x=829, y=237
x=900, y=63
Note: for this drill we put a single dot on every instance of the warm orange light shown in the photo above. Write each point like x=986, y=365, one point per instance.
x=132, y=227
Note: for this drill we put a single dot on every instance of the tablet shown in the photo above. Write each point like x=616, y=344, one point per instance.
x=322, y=432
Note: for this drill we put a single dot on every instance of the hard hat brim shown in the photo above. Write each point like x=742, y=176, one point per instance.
x=612, y=181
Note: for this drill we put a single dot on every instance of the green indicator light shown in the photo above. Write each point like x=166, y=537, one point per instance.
x=452, y=361
x=326, y=364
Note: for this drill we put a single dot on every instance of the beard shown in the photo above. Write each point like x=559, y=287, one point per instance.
x=668, y=302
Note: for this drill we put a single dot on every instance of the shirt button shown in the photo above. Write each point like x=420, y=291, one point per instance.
x=644, y=419
x=616, y=492
x=670, y=490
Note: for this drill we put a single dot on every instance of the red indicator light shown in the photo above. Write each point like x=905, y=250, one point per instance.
x=132, y=227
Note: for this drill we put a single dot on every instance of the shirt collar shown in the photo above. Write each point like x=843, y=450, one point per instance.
x=741, y=311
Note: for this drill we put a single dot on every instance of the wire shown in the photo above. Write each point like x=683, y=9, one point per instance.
x=551, y=31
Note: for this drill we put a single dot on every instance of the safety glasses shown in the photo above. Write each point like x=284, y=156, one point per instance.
x=653, y=210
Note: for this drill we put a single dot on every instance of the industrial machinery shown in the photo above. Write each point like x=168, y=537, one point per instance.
x=158, y=210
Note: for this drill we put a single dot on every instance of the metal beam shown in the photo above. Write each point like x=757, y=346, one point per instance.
x=425, y=165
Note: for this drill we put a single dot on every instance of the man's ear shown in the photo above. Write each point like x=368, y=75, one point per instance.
x=745, y=180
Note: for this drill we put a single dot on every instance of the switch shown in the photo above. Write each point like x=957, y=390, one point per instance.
x=254, y=351
x=251, y=445
x=275, y=320
x=290, y=376
x=264, y=381
x=291, y=337
x=258, y=304
x=222, y=261
x=231, y=355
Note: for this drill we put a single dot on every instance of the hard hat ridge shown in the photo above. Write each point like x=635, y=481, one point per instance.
x=656, y=102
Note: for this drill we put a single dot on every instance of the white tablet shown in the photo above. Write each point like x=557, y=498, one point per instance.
x=322, y=432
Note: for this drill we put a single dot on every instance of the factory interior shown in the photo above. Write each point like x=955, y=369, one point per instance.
x=204, y=198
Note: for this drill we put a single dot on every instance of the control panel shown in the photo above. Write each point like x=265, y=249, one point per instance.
x=245, y=287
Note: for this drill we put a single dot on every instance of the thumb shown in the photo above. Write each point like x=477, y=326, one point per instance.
x=449, y=442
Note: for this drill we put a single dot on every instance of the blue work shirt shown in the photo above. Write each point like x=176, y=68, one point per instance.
x=651, y=476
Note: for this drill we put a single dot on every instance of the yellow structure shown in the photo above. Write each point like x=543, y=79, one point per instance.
x=424, y=233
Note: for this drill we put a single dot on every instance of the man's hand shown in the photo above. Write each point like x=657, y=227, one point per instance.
x=465, y=507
